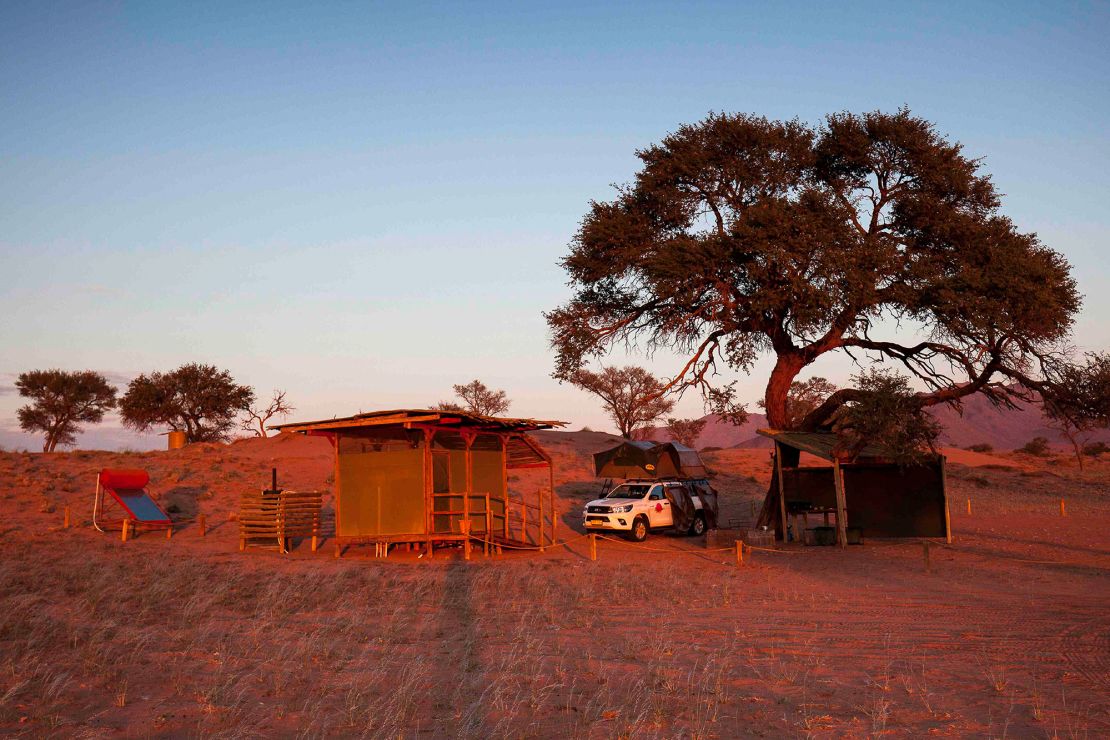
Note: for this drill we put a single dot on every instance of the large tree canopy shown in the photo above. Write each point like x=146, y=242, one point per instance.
x=742, y=236
x=200, y=400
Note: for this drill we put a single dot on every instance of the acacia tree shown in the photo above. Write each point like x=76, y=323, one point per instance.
x=631, y=395
x=479, y=399
x=200, y=400
x=257, y=418
x=685, y=431
x=871, y=234
x=61, y=401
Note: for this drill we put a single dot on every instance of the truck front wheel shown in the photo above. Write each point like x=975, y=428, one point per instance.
x=639, y=530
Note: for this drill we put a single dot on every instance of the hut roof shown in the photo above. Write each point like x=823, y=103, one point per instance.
x=521, y=450
x=426, y=417
x=825, y=445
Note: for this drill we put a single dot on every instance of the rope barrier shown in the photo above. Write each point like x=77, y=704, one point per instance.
x=639, y=546
x=493, y=543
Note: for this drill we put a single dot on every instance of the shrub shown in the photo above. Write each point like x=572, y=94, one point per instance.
x=1037, y=446
x=981, y=447
x=1095, y=449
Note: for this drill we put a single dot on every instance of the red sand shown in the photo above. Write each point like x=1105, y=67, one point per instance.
x=1008, y=635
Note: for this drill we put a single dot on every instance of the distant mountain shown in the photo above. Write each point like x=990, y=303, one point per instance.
x=980, y=423
x=718, y=433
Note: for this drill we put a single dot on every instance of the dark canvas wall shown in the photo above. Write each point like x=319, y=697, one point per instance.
x=883, y=500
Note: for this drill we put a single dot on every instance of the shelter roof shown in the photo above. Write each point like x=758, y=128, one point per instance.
x=424, y=417
x=825, y=445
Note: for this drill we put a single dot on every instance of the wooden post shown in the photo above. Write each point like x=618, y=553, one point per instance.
x=782, y=489
x=969, y=507
x=841, y=506
x=202, y=524
x=539, y=499
x=123, y=532
x=429, y=474
x=65, y=523
x=593, y=546
x=169, y=532
x=551, y=493
x=739, y=553
x=1063, y=510
x=505, y=484
x=337, y=549
x=468, y=437
x=523, y=520
x=488, y=534
x=925, y=555
x=944, y=492
x=466, y=540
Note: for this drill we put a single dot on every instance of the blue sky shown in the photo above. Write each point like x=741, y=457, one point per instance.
x=365, y=203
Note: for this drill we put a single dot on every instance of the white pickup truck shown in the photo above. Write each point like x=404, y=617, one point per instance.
x=636, y=507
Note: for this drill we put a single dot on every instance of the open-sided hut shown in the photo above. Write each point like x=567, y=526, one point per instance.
x=862, y=488
x=431, y=476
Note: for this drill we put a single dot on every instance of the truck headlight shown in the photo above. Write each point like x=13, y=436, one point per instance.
x=626, y=507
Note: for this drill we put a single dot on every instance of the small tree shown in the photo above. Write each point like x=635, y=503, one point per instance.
x=886, y=414
x=257, y=419
x=200, y=400
x=481, y=400
x=61, y=402
x=1080, y=401
x=631, y=396
x=448, y=406
x=685, y=431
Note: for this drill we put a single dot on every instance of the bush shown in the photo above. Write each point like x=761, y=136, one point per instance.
x=1095, y=449
x=1037, y=446
x=981, y=447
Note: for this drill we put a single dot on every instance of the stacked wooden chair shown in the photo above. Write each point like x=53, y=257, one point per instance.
x=269, y=518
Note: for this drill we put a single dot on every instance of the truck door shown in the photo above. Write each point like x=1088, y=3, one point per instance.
x=659, y=511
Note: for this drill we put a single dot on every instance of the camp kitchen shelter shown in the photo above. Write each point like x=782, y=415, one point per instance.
x=646, y=459
x=425, y=477
x=862, y=489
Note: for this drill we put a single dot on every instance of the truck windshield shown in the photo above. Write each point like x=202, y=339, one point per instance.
x=629, y=490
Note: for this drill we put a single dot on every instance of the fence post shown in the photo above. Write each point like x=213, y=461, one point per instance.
x=969, y=507
x=466, y=541
x=169, y=531
x=202, y=525
x=739, y=553
x=123, y=532
x=593, y=546
x=1063, y=510
x=65, y=524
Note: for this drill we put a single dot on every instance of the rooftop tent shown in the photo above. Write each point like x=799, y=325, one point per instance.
x=419, y=476
x=863, y=488
x=646, y=459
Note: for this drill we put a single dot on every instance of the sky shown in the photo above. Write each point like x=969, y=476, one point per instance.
x=365, y=203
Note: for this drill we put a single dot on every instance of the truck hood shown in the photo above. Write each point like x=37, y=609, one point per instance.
x=612, y=501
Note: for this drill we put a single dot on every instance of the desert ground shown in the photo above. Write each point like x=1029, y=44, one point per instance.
x=1007, y=634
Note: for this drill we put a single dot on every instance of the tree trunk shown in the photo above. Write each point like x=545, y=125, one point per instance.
x=778, y=388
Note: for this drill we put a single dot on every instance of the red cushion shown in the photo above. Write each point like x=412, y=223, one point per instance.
x=123, y=479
